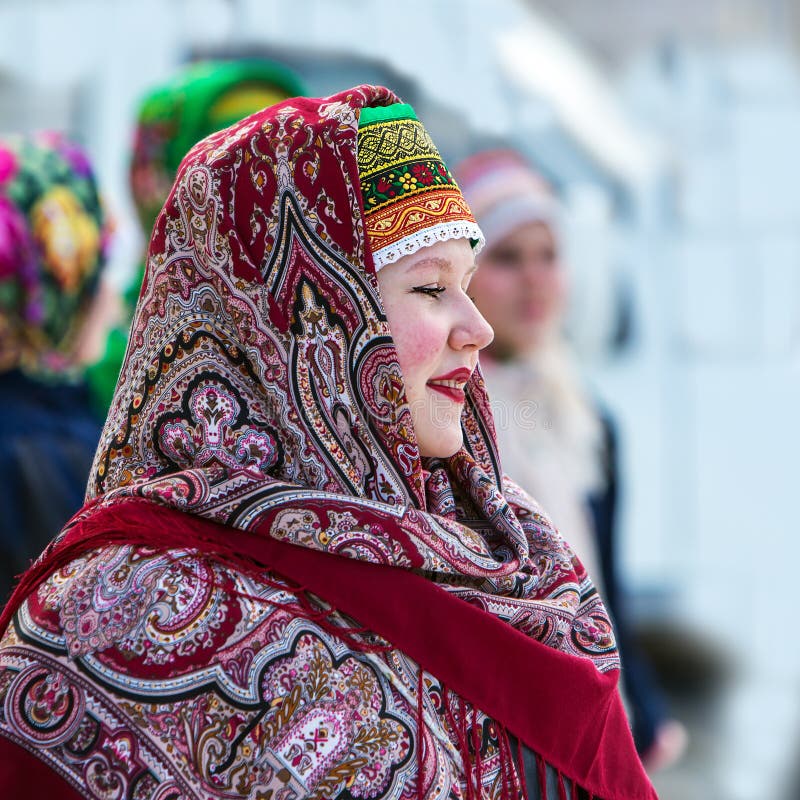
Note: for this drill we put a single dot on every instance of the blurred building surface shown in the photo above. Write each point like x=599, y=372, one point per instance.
x=672, y=132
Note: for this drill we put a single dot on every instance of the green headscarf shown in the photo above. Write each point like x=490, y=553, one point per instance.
x=203, y=98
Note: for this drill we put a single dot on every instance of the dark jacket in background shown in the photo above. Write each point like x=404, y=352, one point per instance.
x=48, y=436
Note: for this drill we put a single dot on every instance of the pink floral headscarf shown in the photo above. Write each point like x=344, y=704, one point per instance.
x=53, y=241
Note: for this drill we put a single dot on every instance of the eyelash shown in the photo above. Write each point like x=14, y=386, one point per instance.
x=431, y=291
x=434, y=291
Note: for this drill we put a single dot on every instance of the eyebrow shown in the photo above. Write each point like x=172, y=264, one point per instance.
x=440, y=263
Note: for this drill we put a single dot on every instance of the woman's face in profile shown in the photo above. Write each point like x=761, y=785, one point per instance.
x=438, y=332
x=521, y=289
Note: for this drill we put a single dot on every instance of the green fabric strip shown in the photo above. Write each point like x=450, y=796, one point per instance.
x=373, y=114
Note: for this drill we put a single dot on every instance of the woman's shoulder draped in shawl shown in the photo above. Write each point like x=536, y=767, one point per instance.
x=267, y=595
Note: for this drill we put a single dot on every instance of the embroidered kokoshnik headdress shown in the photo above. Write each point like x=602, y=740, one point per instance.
x=410, y=198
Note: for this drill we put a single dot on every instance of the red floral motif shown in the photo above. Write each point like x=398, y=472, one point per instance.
x=423, y=174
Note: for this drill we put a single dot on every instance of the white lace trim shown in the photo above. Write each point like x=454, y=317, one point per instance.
x=443, y=232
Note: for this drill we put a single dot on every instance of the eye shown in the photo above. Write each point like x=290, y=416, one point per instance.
x=432, y=290
x=549, y=257
x=507, y=257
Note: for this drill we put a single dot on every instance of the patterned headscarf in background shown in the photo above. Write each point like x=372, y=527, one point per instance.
x=505, y=193
x=203, y=98
x=53, y=241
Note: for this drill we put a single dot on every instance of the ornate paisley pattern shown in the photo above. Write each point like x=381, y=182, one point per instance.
x=261, y=390
x=160, y=681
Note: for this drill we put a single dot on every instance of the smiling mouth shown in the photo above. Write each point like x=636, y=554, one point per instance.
x=455, y=393
x=452, y=384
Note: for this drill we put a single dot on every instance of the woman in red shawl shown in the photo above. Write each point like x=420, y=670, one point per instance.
x=300, y=571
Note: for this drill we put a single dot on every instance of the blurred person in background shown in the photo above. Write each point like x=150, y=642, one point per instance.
x=53, y=242
x=199, y=99
x=554, y=438
x=299, y=573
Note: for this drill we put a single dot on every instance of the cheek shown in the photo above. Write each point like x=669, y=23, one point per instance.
x=418, y=343
x=554, y=288
x=494, y=291
x=490, y=282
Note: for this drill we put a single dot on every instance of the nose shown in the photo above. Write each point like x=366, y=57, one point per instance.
x=470, y=330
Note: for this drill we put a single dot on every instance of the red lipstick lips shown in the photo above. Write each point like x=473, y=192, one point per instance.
x=451, y=384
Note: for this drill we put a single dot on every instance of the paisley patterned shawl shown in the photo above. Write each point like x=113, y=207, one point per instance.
x=262, y=398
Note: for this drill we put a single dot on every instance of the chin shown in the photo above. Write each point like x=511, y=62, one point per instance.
x=443, y=445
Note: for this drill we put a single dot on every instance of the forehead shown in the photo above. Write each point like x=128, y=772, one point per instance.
x=442, y=265
x=456, y=263
x=535, y=233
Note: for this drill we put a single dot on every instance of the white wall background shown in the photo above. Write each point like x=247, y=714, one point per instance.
x=698, y=211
